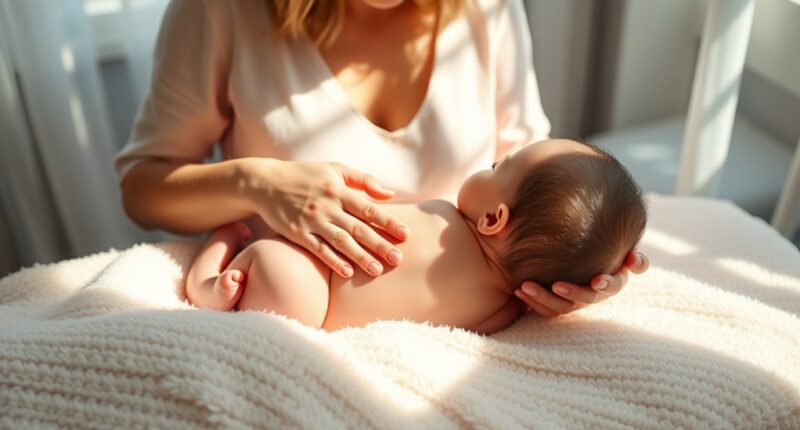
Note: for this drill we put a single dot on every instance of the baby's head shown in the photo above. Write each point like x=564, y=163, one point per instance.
x=560, y=210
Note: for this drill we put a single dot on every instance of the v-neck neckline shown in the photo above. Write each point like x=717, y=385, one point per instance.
x=335, y=89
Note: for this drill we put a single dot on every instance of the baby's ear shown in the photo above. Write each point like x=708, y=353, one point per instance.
x=491, y=223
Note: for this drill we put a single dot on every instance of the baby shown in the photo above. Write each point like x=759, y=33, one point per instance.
x=545, y=213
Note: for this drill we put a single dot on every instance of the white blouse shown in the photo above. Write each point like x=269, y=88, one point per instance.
x=221, y=74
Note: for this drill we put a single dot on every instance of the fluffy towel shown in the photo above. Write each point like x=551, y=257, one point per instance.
x=709, y=337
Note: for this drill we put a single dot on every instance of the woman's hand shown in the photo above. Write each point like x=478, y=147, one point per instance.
x=567, y=297
x=324, y=208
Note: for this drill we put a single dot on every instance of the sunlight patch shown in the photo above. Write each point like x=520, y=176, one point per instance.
x=757, y=274
x=667, y=243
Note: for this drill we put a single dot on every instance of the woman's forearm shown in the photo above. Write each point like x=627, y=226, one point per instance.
x=315, y=205
x=188, y=198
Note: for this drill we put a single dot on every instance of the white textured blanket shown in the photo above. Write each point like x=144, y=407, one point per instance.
x=709, y=337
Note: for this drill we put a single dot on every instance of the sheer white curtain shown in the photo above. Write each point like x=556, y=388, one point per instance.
x=142, y=19
x=58, y=189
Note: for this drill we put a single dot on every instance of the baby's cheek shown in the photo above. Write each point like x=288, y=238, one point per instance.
x=469, y=195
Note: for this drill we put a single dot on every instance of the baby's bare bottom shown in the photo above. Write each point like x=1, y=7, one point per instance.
x=284, y=278
x=280, y=277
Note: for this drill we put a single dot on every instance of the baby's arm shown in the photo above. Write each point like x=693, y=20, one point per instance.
x=501, y=319
x=208, y=283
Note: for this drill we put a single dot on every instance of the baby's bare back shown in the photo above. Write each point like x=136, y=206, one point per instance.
x=443, y=279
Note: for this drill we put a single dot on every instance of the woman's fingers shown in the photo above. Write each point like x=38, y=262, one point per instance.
x=368, y=238
x=322, y=207
x=364, y=182
x=326, y=254
x=341, y=240
x=534, y=306
x=371, y=213
x=583, y=294
x=637, y=262
x=567, y=297
x=610, y=285
x=543, y=301
x=600, y=288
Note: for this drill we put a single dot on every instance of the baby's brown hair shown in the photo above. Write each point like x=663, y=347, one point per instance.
x=574, y=216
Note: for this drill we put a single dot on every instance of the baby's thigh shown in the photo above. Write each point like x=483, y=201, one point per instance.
x=284, y=278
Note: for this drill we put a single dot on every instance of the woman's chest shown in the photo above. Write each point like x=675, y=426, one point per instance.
x=384, y=69
x=390, y=97
x=287, y=104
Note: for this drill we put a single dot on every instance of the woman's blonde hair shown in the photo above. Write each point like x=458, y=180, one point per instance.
x=322, y=19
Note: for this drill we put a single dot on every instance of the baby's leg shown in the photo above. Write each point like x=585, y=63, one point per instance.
x=284, y=278
x=209, y=284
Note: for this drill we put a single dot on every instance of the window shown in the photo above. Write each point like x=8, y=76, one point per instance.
x=105, y=19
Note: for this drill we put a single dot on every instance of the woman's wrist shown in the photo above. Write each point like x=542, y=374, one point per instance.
x=254, y=179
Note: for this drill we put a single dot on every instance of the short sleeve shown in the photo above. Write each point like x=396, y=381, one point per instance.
x=520, y=118
x=185, y=111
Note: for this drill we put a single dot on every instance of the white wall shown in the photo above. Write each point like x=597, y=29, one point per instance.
x=774, y=50
x=560, y=32
x=657, y=50
x=658, y=46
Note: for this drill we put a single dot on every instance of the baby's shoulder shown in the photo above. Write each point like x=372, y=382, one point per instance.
x=437, y=206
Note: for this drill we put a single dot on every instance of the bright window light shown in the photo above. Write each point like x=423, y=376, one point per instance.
x=101, y=7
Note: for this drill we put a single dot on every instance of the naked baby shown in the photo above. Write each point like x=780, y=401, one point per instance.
x=545, y=213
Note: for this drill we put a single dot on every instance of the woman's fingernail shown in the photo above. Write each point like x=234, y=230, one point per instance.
x=347, y=271
x=601, y=285
x=374, y=268
x=404, y=232
x=394, y=257
x=638, y=260
x=529, y=290
x=561, y=290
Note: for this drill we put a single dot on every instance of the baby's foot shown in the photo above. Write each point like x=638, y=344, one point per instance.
x=228, y=288
x=233, y=233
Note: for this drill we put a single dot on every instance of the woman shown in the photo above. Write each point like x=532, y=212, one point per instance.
x=411, y=95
